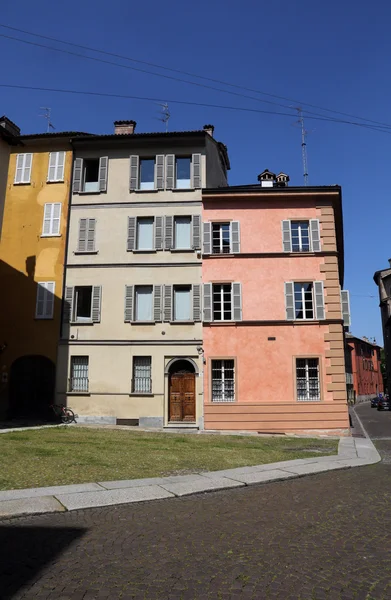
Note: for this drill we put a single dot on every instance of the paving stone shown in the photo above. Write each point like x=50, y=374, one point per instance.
x=199, y=484
x=315, y=467
x=264, y=476
x=22, y=506
x=130, y=483
x=49, y=491
x=110, y=497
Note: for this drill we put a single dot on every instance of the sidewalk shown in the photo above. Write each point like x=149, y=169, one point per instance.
x=352, y=452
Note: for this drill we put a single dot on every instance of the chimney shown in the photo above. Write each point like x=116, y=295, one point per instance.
x=209, y=129
x=282, y=180
x=389, y=260
x=267, y=178
x=124, y=127
x=9, y=126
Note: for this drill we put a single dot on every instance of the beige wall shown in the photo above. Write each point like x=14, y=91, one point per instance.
x=4, y=161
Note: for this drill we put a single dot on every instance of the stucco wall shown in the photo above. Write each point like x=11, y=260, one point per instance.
x=4, y=160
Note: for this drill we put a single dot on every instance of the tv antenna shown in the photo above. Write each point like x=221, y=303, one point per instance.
x=47, y=116
x=165, y=114
x=304, y=134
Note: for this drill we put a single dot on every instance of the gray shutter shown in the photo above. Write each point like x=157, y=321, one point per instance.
x=196, y=168
x=159, y=233
x=82, y=243
x=67, y=313
x=134, y=173
x=207, y=238
x=235, y=237
x=345, y=301
x=131, y=233
x=91, y=235
x=157, y=303
x=196, y=232
x=159, y=183
x=169, y=231
x=128, y=303
x=197, y=302
x=103, y=165
x=207, y=302
x=289, y=300
x=96, y=303
x=286, y=236
x=77, y=175
x=315, y=235
x=319, y=300
x=40, y=303
x=50, y=286
x=167, y=309
x=170, y=171
x=237, y=301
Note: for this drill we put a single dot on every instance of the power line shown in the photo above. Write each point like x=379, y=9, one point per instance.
x=175, y=71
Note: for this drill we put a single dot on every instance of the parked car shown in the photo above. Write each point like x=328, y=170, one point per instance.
x=384, y=403
x=374, y=401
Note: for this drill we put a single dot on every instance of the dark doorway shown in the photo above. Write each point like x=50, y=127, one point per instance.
x=182, y=392
x=32, y=381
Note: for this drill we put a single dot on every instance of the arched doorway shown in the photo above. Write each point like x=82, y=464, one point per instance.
x=32, y=381
x=181, y=391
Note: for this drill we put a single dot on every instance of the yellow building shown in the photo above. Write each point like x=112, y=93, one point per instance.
x=32, y=250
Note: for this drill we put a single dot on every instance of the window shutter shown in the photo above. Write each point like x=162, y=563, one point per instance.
x=319, y=300
x=52, y=166
x=103, y=165
x=235, y=237
x=47, y=219
x=131, y=233
x=196, y=232
x=67, y=313
x=60, y=166
x=159, y=233
x=28, y=159
x=91, y=226
x=345, y=301
x=167, y=310
x=134, y=173
x=286, y=236
x=207, y=238
x=56, y=217
x=50, y=285
x=196, y=168
x=170, y=174
x=159, y=172
x=197, y=302
x=207, y=302
x=41, y=295
x=82, y=243
x=168, y=237
x=77, y=175
x=19, y=168
x=237, y=301
x=128, y=303
x=157, y=303
x=96, y=303
x=289, y=300
x=315, y=235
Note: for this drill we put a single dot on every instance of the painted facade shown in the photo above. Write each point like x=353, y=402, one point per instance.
x=132, y=333
x=273, y=330
x=383, y=280
x=367, y=379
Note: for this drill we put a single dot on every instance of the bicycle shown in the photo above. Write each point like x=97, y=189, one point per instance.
x=65, y=413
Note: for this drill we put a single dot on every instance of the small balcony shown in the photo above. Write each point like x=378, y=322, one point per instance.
x=142, y=385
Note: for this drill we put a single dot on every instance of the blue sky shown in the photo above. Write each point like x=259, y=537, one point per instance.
x=332, y=54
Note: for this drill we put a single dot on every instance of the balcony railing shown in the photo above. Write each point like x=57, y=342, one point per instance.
x=78, y=384
x=142, y=385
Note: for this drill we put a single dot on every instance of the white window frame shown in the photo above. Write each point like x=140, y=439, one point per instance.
x=48, y=288
x=304, y=317
x=175, y=246
x=58, y=167
x=307, y=397
x=152, y=248
x=183, y=187
x=147, y=185
x=224, y=397
x=222, y=302
x=75, y=318
x=84, y=182
x=25, y=170
x=300, y=222
x=52, y=231
x=137, y=287
x=190, y=289
x=214, y=223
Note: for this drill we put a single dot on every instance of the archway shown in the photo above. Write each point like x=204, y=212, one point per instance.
x=32, y=381
x=181, y=386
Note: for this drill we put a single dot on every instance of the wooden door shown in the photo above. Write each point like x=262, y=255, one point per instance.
x=182, y=397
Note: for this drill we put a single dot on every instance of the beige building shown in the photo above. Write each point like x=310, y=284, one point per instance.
x=131, y=343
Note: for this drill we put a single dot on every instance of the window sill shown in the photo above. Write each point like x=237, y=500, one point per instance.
x=43, y=318
x=142, y=322
x=50, y=235
x=78, y=393
x=183, y=250
x=54, y=181
x=154, y=191
x=150, y=251
x=183, y=322
x=221, y=323
x=143, y=394
x=78, y=323
x=77, y=252
x=222, y=254
x=22, y=182
x=85, y=193
x=183, y=189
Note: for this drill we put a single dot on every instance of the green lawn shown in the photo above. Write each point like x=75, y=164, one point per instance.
x=65, y=455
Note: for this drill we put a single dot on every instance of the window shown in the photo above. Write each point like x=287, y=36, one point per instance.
x=300, y=232
x=79, y=374
x=183, y=176
x=147, y=174
x=56, y=166
x=45, y=300
x=142, y=370
x=182, y=303
x=304, y=301
x=83, y=304
x=51, y=219
x=223, y=380
x=145, y=233
x=91, y=175
x=182, y=233
x=23, y=168
x=144, y=302
x=222, y=302
x=221, y=238
x=307, y=379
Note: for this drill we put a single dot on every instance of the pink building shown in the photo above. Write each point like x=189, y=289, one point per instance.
x=273, y=329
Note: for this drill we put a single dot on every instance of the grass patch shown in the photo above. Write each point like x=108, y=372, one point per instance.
x=65, y=455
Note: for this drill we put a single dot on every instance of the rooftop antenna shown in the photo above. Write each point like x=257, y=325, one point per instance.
x=304, y=134
x=165, y=114
x=47, y=117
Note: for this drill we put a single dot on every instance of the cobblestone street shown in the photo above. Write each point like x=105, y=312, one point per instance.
x=317, y=537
